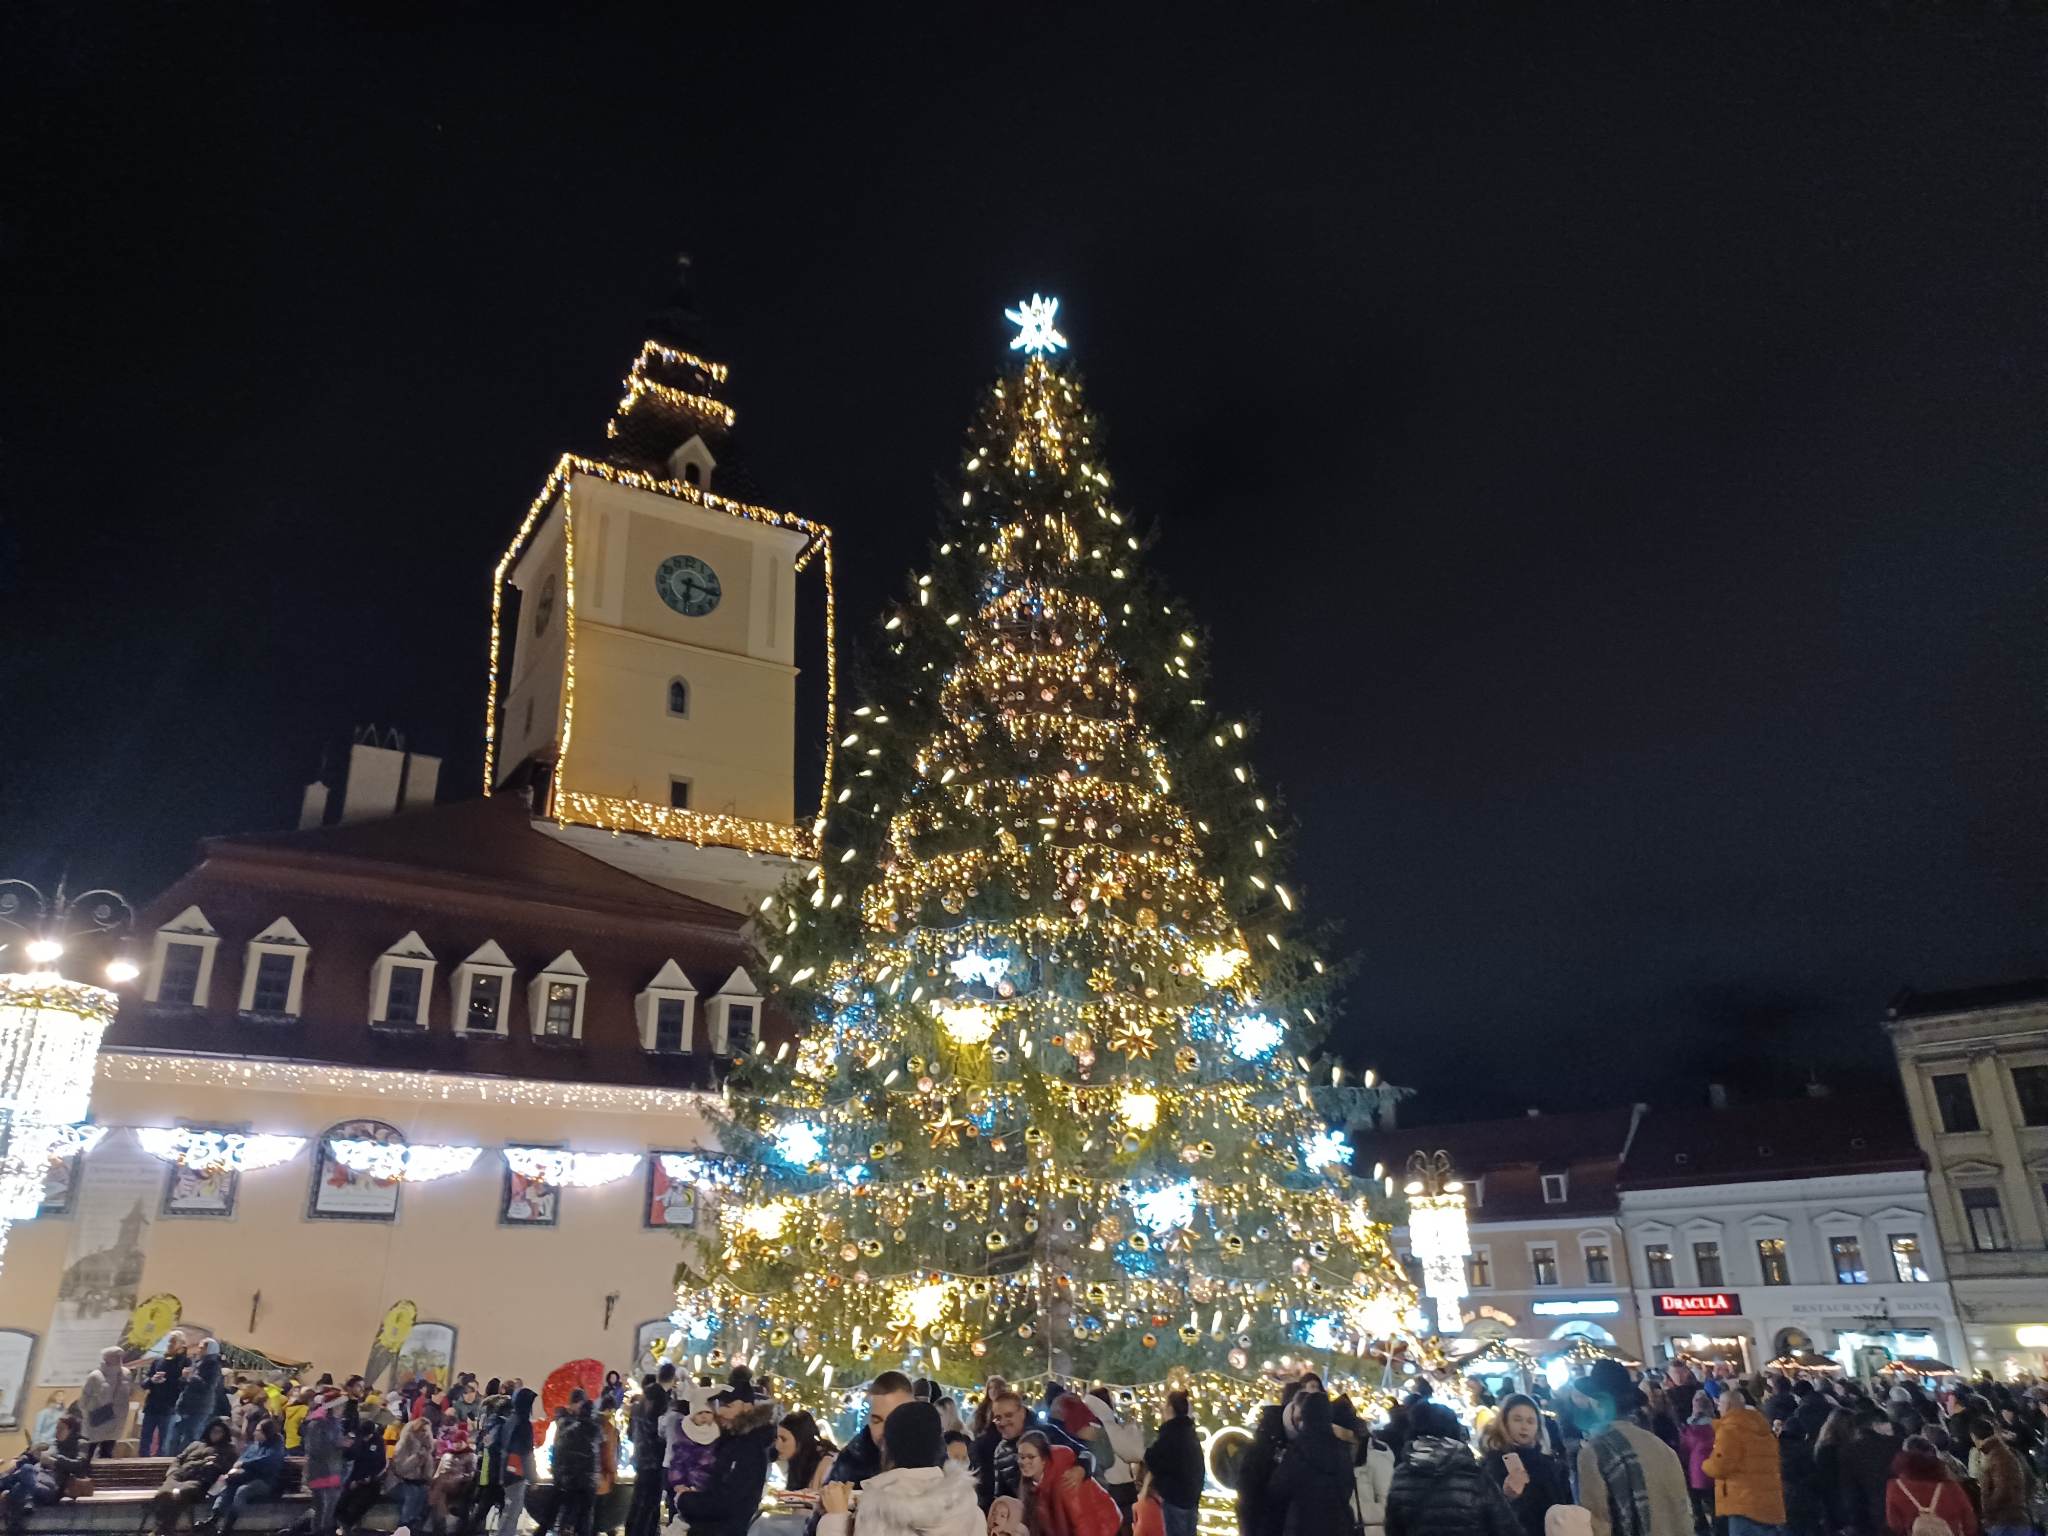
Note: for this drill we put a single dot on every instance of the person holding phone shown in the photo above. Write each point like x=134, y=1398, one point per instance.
x=1530, y=1478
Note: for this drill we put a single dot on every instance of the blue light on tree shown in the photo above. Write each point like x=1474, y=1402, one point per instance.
x=1255, y=1036
x=989, y=970
x=799, y=1143
x=1324, y=1148
x=1168, y=1207
x=1317, y=1332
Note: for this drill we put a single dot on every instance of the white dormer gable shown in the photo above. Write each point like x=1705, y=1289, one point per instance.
x=667, y=1010
x=181, y=961
x=274, y=971
x=734, y=1014
x=483, y=993
x=692, y=464
x=554, y=999
x=402, y=985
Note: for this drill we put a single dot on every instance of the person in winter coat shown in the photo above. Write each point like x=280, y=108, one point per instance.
x=1256, y=1514
x=192, y=1476
x=1921, y=1488
x=1314, y=1479
x=1372, y=1477
x=1630, y=1482
x=643, y=1516
x=363, y=1476
x=1115, y=1445
x=692, y=1450
x=454, y=1477
x=1859, y=1473
x=255, y=1478
x=1056, y=1501
x=161, y=1382
x=918, y=1492
x=103, y=1401
x=2002, y=1482
x=995, y=1453
x=1178, y=1471
x=324, y=1434
x=1516, y=1463
x=1695, y=1445
x=739, y=1470
x=1439, y=1490
x=199, y=1396
x=575, y=1459
x=515, y=1444
x=1748, y=1490
x=44, y=1471
x=1804, y=1515
x=411, y=1470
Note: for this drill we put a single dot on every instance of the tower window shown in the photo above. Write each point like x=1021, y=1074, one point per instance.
x=679, y=698
x=679, y=794
x=180, y=984
x=693, y=473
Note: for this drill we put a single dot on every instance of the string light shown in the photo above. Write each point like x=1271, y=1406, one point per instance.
x=570, y=1170
x=217, y=1151
x=390, y=1162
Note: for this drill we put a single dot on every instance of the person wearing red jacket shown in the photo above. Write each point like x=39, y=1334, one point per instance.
x=1056, y=1504
x=1921, y=1484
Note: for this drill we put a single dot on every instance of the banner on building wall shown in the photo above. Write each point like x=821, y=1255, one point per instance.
x=389, y=1345
x=150, y=1321
x=17, y=1347
x=115, y=1199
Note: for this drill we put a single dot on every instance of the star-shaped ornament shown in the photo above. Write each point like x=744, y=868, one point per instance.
x=1035, y=336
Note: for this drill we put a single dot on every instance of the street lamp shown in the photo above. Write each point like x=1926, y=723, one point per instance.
x=50, y=1030
x=1437, y=1233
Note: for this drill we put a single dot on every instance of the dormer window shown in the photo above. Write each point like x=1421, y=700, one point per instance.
x=274, y=972
x=735, y=1016
x=181, y=963
x=1553, y=1189
x=402, y=985
x=554, y=1004
x=692, y=463
x=483, y=992
x=667, y=1010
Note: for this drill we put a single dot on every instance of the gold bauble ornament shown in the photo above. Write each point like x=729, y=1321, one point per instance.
x=996, y=1241
x=1147, y=918
x=1187, y=1058
x=1189, y=1334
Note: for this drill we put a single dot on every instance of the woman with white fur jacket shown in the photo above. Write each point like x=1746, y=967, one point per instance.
x=918, y=1492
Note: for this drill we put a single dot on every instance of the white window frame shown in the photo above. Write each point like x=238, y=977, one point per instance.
x=411, y=952
x=738, y=988
x=487, y=960
x=1483, y=1251
x=280, y=938
x=1564, y=1187
x=669, y=985
x=1591, y=1240
x=188, y=927
x=1556, y=1265
x=564, y=968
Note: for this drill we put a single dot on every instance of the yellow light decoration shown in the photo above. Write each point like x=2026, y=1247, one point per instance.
x=1140, y=1111
x=765, y=1221
x=1217, y=966
x=967, y=1023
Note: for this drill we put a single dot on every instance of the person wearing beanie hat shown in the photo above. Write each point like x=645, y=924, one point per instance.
x=920, y=1491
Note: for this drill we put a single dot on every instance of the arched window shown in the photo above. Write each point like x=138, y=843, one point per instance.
x=679, y=698
x=1579, y=1328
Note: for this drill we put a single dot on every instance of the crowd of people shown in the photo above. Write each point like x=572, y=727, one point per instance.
x=1673, y=1453
x=1613, y=1453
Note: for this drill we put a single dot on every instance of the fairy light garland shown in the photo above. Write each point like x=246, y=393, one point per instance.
x=392, y=1162
x=570, y=1170
x=217, y=1151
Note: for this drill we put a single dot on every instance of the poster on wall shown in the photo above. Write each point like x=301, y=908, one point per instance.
x=650, y=1346
x=340, y=1194
x=670, y=1202
x=103, y=1268
x=17, y=1346
x=59, y=1185
x=428, y=1354
x=199, y=1191
x=527, y=1202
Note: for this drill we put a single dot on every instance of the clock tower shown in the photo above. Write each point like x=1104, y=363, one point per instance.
x=643, y=644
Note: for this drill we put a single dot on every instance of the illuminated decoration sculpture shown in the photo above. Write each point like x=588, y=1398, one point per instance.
x=1035, y=334
x=217, y=1151
x=1054, y=996
x=393, y=1161
x=1438, y=1235
x=570, y=1170
x=50, y=1032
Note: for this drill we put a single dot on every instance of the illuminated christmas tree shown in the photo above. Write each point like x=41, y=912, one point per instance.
x=1053, y=1110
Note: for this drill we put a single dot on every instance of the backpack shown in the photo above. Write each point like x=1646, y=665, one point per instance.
x=1927, y=1522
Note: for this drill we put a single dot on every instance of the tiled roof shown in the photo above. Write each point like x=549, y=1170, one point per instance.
x=1513, y=1155
x=1790, y=1139
x=1920, y=1005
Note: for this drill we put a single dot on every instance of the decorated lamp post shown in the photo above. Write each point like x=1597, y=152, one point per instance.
x=1437, y=1234
x=50, y=1029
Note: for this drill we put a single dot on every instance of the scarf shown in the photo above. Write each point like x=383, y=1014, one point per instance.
x=1628, y=1492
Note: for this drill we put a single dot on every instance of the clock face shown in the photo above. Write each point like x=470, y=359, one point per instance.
x=544, y=606
x=688, y=585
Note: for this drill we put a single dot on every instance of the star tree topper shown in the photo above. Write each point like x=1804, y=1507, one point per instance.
x=1035, y=334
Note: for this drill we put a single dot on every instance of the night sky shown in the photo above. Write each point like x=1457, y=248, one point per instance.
x=1605, y=445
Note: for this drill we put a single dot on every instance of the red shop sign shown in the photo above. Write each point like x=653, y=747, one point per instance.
x=1699, y=1304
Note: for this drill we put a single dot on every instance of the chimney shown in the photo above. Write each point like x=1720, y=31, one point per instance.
x=313, y=808
x=1717, y=1095
x=1533, y=1112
